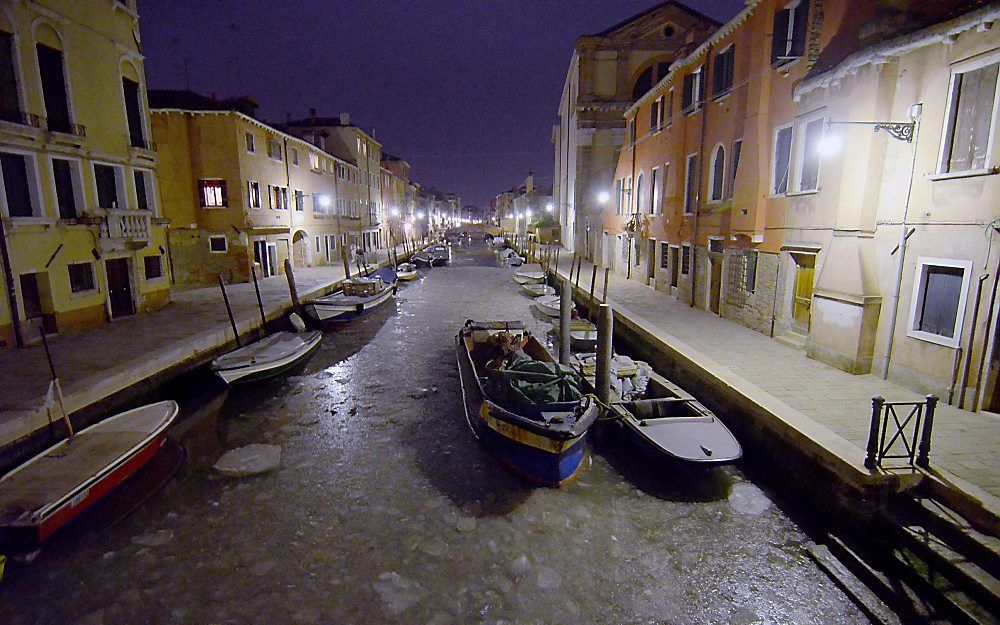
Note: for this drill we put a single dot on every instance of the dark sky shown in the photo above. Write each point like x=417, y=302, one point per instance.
x=465, y=90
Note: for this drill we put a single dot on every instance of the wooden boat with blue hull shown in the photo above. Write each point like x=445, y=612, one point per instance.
x=267, y=358
x=545, y=442
x=360, y=296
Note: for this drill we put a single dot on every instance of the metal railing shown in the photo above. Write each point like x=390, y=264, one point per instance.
x=129, y=225
x=909, y=436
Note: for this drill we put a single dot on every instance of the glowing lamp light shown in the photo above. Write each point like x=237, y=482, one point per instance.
x=603, y=197
x=420, y=214
x=510, y=215
x=520, y=215
x=324, y=201
x=395, y=212
x=528, y=212
x=829, y=144
x=549, y=207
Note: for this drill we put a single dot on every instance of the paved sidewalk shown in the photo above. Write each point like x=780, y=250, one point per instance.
x=965, y=445
x=97, y=363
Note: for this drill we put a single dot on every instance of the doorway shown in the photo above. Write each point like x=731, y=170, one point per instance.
x=120, y=287
x=805, y=270
x=715, y=285
x=651, y=262
x=266, y=255
x=300, y=249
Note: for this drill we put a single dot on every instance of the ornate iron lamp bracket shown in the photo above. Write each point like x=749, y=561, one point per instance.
x=899, y=130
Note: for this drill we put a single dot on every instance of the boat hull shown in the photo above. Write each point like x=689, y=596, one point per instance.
x=266, y=371
x=33, y=529
x=342, y=313
x=406, y=275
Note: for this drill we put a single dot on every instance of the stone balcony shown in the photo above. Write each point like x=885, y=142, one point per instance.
x=125, y=229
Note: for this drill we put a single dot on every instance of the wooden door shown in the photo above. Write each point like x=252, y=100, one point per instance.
x=805, y=269
x=715, y=285
x=119, y=287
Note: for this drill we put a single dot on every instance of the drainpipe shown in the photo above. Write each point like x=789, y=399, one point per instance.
x=633, y=201
x=903, y=236
x=990, y=323
x=8, y=275
x=701, y=166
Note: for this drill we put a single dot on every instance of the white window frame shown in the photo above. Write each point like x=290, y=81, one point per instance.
x=798, y=152
x=640, y=182
x=34, y=190
x=119, y=183
x=772, y=191
x=224, y=240
x=149, y=179
x=163, y=272
x=918, y=295
x=655, y=196
x=711, y=175
x=250, y=195
x=93, y=277
x=687, y=186
x=76, y=170
x=961, y=67
x=250, y=142
x=201, y=197
x=680, y=260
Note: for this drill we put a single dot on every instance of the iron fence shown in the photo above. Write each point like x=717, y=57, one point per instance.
x=896, y=437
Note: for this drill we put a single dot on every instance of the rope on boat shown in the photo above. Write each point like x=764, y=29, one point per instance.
x=608, y=413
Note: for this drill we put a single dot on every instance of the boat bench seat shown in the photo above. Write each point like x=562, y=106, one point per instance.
x=658, y=408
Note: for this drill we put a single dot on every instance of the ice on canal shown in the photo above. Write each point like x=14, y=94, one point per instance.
x=385, y=509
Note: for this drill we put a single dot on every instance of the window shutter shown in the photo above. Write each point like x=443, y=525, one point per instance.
x=799, y=29
x=779, y=37
x=225, y=196
x=202, y=197
x=701, y=83
x=688, y=94
x=730, y=66
x=718, y=75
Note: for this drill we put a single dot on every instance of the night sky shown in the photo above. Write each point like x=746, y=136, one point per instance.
x=465, y=90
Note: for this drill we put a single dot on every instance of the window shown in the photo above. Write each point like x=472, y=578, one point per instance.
x=274, y=149
x=734, y=166
x=654, y=115
x=81, y=277
x=664, y=255
x=808, y=155
x=294, y=156
x=718, y=174
x=17, y=178
x=631, y=131
x=715, y=245
x=106, y=177
x=691, y=184
x=250, y=143
x=685, y=260
x=10, y=105
x=277, y=197
x=153, y=266
x=317, y=245
x=133, y=113
x=313, y=161
x=217, y=244
x=50, y=67
x=142, y=189
x=788, y=40
x=782, y=153
x=66, y=176
x=213, y=193
x=722, y=76
x=750, y=275
x=654, y=191
x=694, y=92
x=639, y=198
x=669, y=115
x=300, y=201
x=619, y=196
x=938, y=306
x=627, y=195
x=970, y=120
x=253, y=193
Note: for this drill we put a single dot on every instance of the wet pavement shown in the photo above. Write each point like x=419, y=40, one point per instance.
x=385, y=509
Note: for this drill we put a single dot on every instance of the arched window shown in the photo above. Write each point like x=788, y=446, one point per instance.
x=643, y=83
x=10, y=104
x=133, y=104
x=718, y=174
x=638, y=193
x=48, y=48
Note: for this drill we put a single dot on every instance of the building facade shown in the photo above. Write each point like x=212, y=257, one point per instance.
x=83, y=238
x=607, y=73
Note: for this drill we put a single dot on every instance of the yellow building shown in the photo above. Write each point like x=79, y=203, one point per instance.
x=240, y=193
x=82, y=240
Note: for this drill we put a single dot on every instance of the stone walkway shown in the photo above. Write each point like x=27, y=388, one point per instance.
x=97, y=363
x=965, y=445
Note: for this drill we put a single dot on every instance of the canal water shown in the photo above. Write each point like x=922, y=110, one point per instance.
x=386, y=509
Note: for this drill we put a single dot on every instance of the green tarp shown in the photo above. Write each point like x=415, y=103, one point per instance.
x=523, y=380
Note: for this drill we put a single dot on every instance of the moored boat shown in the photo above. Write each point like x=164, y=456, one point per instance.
x=537, y=429
x=582, y=334
x=267, y=358
x=50, y=490
x=358, y=297
x=548, y=304
x=538, y=290
x=406, y=271
x=440, y=255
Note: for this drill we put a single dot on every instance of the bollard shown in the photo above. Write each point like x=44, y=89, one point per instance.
x=565, y=313
x=605, y=330
x=924, y=449
x=871, y=456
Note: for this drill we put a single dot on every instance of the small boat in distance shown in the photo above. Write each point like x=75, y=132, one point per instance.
x=538, y=290
x=358, y=297
x=548, y=304
x=406, y=271
x=50, y=490
x=582, y=335
x=529, y=274
x=440, y=255
x=543, y=440
x=267, y=358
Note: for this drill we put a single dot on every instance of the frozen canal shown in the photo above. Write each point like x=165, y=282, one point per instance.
x=385, y=509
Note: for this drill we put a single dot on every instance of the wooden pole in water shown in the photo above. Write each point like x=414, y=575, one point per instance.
x=604, y=298
x=229, y=309
x=565, y=314
x=346, y=261
x=579, y=269
x=605, y=330
x=55, y=383
x=292, y=290
x=260, y=303
x=593, y=283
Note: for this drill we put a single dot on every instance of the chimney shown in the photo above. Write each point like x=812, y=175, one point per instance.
x=529, y=182
x=345, y=119
x=312, y=114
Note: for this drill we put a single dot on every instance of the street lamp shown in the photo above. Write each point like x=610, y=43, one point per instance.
x=549, y=207
x=603, y=197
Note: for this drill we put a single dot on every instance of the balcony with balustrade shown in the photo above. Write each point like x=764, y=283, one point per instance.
x=124, y=229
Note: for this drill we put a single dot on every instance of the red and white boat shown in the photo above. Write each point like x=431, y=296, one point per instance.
x=50, y=490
